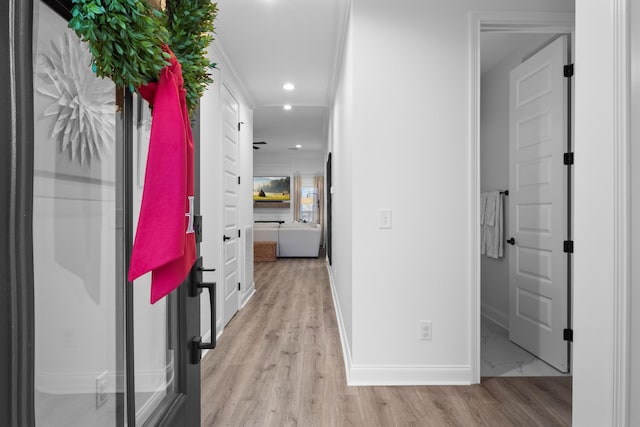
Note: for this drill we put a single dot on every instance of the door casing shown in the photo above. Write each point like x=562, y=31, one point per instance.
x=515, y=22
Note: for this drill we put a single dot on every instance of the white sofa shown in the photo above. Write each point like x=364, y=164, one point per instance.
x=292, y=239
x=266, y=232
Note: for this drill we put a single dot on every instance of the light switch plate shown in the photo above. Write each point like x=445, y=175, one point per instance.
x=385, y=219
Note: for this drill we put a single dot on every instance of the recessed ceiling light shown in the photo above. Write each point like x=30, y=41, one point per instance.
x=298, y=146
x=287, y=107
x=288, y=86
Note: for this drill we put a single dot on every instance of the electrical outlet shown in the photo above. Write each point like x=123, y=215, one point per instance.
x=425, y=330
x=101, y=389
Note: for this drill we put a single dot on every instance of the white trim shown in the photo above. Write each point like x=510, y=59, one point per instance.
x=84, y=382
x=206, y=338
x=393, y=375
x=505, y=22
x=343, y=16
x=227, y=66
x=219, y=327
x=622, y=228
x=378, y=375
x=474, y=198
x=524, y=22
x=496, y=316
x=151, y=405
x=247, y=296
x=346, y=349
x=70, y=382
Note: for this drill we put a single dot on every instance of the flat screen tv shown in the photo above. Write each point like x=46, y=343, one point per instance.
x=271, y=188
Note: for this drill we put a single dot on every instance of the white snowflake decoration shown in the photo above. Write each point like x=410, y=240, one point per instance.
x=83, y=103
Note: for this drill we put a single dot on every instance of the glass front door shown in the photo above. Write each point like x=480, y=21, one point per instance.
x=104, y=356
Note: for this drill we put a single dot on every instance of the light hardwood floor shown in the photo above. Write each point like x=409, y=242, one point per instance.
x=279, y=363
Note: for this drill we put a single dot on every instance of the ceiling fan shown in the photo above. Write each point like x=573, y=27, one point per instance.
x=258, y=143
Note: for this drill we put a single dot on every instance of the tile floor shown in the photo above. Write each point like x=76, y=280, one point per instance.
x=502, y=358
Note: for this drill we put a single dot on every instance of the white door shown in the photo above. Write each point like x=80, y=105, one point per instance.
x=230, y=205
x=538, y=294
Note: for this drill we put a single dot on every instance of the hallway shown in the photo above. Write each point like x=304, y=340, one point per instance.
x=279, y=362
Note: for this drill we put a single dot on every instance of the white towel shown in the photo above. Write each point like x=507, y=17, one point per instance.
x=490, y=211
x=492, y=243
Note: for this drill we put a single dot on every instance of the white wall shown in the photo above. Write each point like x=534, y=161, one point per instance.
x=341, y=133
x=211, y=190
x=494, y=170
x=409, y=152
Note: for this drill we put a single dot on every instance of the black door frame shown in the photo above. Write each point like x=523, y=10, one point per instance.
x=16, y=199
x=16, y=239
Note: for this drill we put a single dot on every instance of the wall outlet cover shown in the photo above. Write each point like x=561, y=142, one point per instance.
x=425, y=330
x=101, y=389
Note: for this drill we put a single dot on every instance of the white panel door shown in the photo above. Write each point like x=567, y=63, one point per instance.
x=538, y=295
x=230, y=204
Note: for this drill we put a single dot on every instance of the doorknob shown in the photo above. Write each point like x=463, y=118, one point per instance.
x=225, y=238
x=511, y=241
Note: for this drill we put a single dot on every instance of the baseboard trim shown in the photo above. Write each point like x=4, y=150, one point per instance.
x=379, y=375
x=495, y=315
x=152, y=404
x=206, y=338
x=147, y=380
x=247, y=296
x=346, y=350
x=409, y=375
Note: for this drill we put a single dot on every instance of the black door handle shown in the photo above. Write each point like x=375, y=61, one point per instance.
x=511, y=241
x=195, y=288
x=196, y=343
x=225, y=238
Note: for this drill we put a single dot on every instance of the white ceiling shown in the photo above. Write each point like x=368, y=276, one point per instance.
x=270, y=42
x=301, y=125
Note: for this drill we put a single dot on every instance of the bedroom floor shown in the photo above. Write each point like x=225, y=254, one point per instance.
x=502, y=358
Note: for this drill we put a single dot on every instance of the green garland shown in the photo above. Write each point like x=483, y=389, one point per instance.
x=191, y=48
x=125, y=39
x=126, y=36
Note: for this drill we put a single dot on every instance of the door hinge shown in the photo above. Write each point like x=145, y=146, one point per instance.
x=238, y=285
x=568, y=70
x=568, y=246
x=567, y=334
x=568, y=159
x=238, y=180
x=238, y=233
